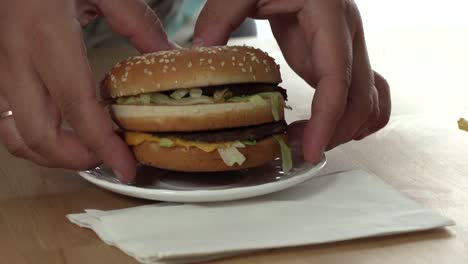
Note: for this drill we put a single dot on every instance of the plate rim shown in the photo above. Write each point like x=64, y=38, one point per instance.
x=206, y=195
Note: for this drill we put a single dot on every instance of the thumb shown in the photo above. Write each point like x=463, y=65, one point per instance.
x=135, y=20
x=215, y=24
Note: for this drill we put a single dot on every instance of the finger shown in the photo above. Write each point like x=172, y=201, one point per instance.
x=362, y=107
x=215, y=24
x=330, y=46
x=296, y=133
x=38, y=120
x=135, y=20
x=74, y=91
x=381, y=115
x=385, y=105
x=13, y=141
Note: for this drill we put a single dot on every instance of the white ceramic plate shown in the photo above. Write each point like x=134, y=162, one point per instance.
x=170, y=186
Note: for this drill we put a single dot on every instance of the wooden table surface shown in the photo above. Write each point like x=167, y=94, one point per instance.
x=421, y=153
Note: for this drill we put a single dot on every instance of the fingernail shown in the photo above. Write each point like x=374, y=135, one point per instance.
x=174, y=45
x=198, y=42
x=118, y=175
x=297, y=122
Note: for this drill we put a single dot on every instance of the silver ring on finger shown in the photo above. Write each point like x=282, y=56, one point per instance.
x=6, y=114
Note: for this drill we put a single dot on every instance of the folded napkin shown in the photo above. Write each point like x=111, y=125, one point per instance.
x=335, y=207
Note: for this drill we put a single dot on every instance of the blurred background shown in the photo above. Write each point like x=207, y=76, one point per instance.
x=390, y=15
x=420, y=46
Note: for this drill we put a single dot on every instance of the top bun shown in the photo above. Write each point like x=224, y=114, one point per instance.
x=190, y=68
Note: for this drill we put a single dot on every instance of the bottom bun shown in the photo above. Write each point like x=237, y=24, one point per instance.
x=196, y=160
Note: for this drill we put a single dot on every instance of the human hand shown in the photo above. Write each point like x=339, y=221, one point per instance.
x=45, y=78
x=323, y=42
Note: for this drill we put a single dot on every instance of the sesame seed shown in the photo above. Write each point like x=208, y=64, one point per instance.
x=173, y=59
x=145, y=70
x=118, y=64
x=189, y=65
x=241, y=64
x=176, y=81
x=212, y=68
x=233, y=64
x=158, y=85
x=243, y=70
x=233, y=58
x=222, y=63
x=234, y=49
x=266, y=70
x=253, y=58
x=166, y=61
x=243, y=59
x=165, y=67
x=138, y=62
x=264, y=62
x=173, y=68
x=165, y=56
x=255, y=78
x=150, y=73
x=164, y=71
x=161, y=60
x=209, y=61
x=250, y=68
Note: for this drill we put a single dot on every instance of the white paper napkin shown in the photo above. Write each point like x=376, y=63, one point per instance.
x=334, y=207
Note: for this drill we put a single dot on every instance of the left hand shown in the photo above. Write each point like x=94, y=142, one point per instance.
x=323, y=42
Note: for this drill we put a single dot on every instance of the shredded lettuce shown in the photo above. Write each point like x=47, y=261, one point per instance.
x=128, y=100
x=195, y=96
x=196, y=92
x=162, y=99
x=220, y=96
x=275, y=106
x=257, y=100
x=145, y=98
x=231, y=156
x=141, y=99
x=166, y=143
x=237, y=144
x=286, y=156
x=249, y=142
x=236, y=99
x=178, y=94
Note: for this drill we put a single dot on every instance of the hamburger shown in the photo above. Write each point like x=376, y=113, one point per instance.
x=200, y=110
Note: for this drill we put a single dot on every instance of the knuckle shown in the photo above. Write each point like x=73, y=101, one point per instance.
x=70, y=108
x=17, y=148
x=384, y=118
x=366, y=107
x=36, y=141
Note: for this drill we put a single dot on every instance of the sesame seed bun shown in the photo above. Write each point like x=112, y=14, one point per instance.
x=196, y=160
x=193, y=117
x=190, y=68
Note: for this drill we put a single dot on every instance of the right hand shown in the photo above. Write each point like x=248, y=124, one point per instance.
x=45, y=78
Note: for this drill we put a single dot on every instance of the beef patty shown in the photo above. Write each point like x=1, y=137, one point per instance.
x=250, y=133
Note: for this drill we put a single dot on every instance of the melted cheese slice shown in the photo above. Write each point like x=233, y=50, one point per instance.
x=136, y=138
